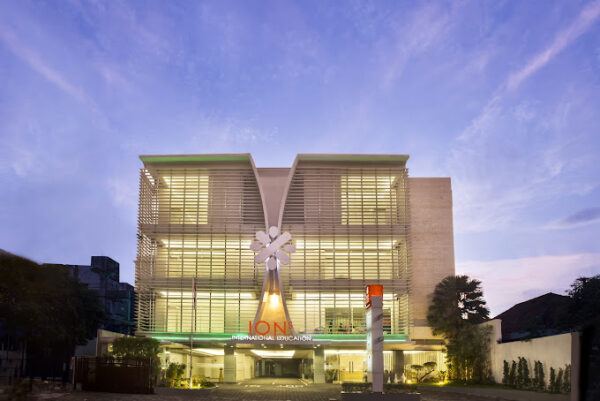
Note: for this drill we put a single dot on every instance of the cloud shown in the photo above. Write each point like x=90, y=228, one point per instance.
x=26, y=54
x=416, y=34
x=123, y=191
x=510, y=281
x=582, y=23
x=580, y=218
x=507, y=158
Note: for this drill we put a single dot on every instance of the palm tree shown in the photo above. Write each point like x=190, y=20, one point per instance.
x=455, y=311
x=457, y=302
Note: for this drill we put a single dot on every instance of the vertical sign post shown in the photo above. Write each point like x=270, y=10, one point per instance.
x=374, y=306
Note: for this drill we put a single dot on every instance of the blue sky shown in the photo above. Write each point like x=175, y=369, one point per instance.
x=502, y=96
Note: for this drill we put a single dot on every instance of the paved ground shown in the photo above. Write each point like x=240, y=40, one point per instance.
x=499, y=393
x=265, y=390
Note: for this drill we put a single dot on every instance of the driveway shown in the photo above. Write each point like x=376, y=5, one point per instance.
x=264, y=389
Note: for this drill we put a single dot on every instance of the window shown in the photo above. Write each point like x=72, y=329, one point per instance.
x=185, y=198
x=367, y=199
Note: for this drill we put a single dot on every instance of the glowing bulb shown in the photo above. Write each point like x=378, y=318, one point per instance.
x=274, y=299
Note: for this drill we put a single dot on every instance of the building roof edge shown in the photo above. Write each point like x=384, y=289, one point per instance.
x=232, y=157
x=325, y=157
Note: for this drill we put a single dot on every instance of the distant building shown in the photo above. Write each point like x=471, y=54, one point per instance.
x=102, y=276
x=537, y=317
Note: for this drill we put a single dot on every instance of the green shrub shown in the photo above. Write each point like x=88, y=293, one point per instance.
x=397, y=387
x=526, y=375
x=205, y=383
x=566, y=386
x=552, y=387
x=442, y=375
x=331, y=375
x=505, y=373
x=559, y=381
x=538, y=382
x=523, y=379
x=353, y=387
x=512, y=375
x=174, y=374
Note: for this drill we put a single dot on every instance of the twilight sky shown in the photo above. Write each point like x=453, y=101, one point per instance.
x=502, y=96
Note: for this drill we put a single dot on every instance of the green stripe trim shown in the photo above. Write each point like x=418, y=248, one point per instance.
x=353, y=158
x=195, y=158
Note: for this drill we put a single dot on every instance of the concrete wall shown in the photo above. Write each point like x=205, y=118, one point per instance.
x=244, y=366
x=552, y=351
x=272, y=182
x=431, y=245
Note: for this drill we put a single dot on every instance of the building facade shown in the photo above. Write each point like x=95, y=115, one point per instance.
x=354, y=220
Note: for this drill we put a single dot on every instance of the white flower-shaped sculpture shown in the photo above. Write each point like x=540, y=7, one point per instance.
x=270, y=247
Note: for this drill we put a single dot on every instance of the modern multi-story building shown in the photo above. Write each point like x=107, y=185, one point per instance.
x=354, y=220
x=117, y=298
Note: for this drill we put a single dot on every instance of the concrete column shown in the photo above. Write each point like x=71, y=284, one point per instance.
x=229, y=366
x=319, y=365
x=398, y=364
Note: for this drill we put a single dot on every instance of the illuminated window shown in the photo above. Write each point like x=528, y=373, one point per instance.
x=185, y=198
x=367, y=199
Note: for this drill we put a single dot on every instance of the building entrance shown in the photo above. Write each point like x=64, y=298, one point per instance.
x=284, y=363
x=278, y=368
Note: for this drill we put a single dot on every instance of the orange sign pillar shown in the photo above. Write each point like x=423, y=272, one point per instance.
x=374, y=306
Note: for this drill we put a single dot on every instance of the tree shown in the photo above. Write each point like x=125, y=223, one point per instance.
x=46, y=308
x=457, y=302
x=456, y=310
x=430, y=366
x=584, y=306
x=135, y=347
x=584, y=316
x=417, y=369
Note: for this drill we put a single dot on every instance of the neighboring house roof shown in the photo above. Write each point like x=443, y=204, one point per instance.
x=537, y=317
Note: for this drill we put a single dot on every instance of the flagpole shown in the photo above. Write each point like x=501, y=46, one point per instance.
x=193, y=326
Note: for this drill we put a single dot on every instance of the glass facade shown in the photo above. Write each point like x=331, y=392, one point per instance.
x=197, y=220
x=351, y=229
